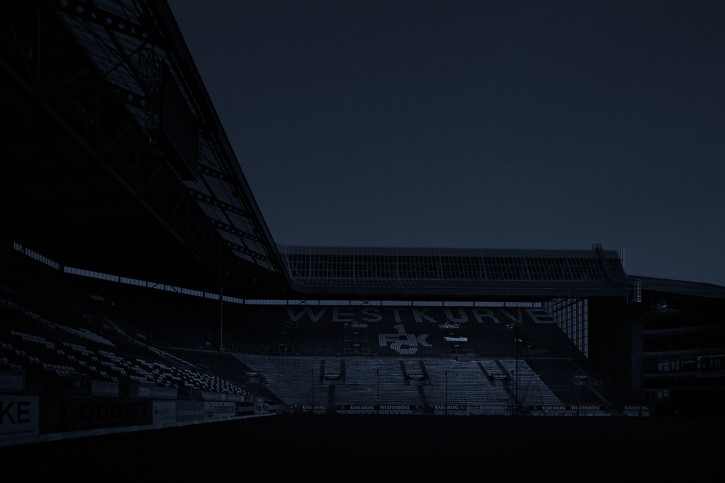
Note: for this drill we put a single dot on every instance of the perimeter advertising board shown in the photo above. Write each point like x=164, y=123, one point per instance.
x=164, y=413
x=219, y=409
x=187, y=410
x=18, y=416
x=101, y=412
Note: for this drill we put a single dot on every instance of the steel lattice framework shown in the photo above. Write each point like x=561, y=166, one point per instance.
x=118, y=79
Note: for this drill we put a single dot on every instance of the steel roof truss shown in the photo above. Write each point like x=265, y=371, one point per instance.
x=103, y=18
x=209, y=199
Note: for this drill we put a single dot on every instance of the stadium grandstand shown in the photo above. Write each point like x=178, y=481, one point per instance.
x=146, y=305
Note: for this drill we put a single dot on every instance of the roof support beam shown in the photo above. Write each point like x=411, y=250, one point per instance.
x=235, y=231
x=103, y=18
x=211, y=200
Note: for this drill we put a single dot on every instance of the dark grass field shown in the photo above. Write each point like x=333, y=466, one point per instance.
x=384, y=448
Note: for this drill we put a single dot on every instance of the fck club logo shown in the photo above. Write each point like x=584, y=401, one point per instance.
x=403, y=343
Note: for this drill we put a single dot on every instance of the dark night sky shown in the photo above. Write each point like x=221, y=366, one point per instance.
x=478, y=124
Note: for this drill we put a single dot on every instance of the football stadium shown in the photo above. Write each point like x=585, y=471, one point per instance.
x=152, y=327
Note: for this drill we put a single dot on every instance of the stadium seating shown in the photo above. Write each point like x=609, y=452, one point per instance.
x=35, y=344
x=419, y=359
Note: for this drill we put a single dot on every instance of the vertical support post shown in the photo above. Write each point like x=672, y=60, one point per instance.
x=516, y=362
x=446, y=402
x=377, y=374
x=221, y=301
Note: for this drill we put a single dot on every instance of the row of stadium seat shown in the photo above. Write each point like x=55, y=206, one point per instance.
x=298, y=381
x=33, y=343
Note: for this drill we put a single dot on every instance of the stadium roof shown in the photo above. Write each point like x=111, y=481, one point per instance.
x=680, y=287
x=479, y=273
x=119, y=150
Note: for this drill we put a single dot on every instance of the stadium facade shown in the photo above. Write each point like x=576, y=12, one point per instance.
x=126, y=191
